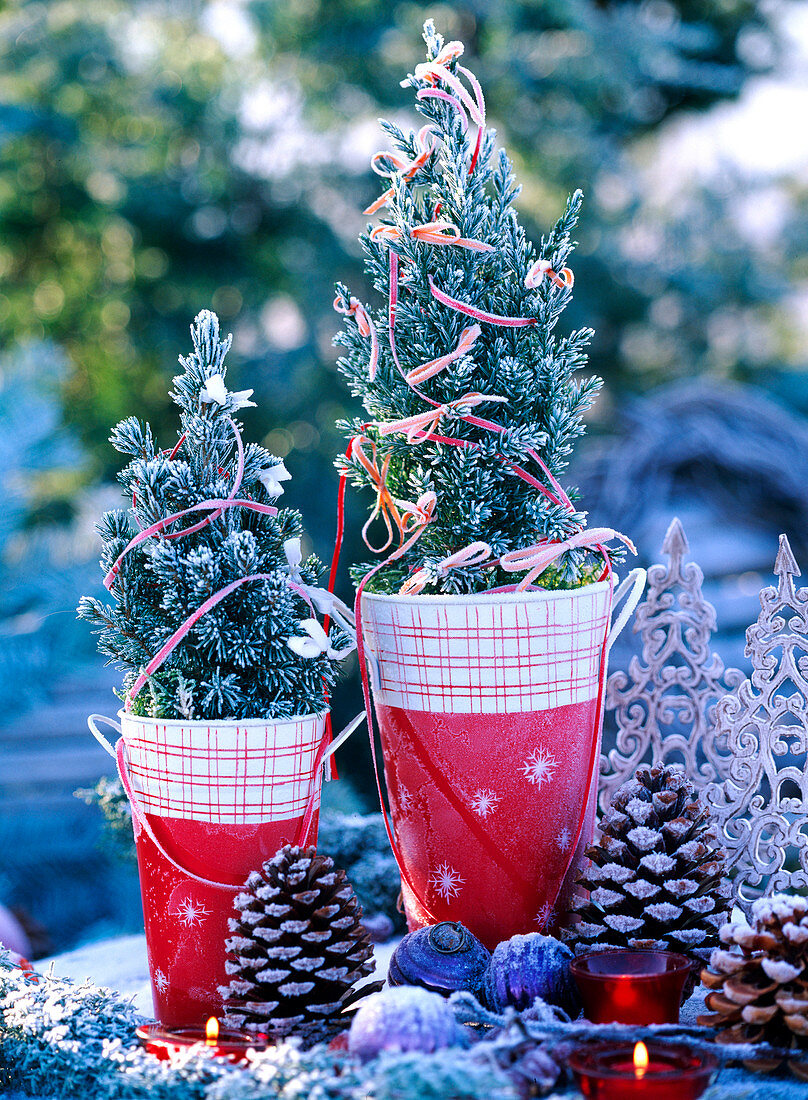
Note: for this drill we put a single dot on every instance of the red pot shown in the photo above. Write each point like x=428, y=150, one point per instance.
x=211, y=802
x=490, y=710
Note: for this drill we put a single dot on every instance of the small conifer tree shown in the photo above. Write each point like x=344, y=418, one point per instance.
x=451, y=248
x=258, y=652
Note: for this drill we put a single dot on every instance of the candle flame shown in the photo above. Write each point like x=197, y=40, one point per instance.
x=212, y=1032
x=640, y=1059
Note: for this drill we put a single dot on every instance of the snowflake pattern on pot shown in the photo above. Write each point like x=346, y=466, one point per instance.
x=190, y=913
x=544, y=915
x=403, y=801
x=446, y=881
x=563, y=839
x=160, y=981
x=484, y=802
x=539, y=766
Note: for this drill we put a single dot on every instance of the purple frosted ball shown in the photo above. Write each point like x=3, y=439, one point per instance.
x=441, y=957
x=526, y=967
x=402, y=1019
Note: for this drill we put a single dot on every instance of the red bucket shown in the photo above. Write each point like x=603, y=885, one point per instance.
x=490, y=712
x=211, y=801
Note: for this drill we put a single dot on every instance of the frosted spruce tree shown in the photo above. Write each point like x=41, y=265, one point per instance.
x=469, y=393
x=203, y=548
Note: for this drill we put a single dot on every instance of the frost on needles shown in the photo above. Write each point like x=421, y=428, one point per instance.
x=236, y=660
x=535, y=369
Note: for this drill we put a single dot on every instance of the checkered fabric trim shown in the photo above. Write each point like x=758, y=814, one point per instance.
x=226, y=773
x=536, y=651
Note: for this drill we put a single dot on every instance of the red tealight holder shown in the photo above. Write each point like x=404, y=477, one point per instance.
x=631, y=987
x=166, y=1043
x=675, y=1071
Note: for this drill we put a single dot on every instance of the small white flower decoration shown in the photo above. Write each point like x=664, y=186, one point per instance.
x=315, y=643
x=272, y=477
x=215, y=392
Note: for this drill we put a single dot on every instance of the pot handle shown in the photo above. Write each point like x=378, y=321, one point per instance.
x=630, y=589
x=341, y=738
x=98, y=735
x=373, y=665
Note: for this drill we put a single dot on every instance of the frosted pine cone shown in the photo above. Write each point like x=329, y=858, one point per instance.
x=656, y=875
x=297, y=948
x=758, y=980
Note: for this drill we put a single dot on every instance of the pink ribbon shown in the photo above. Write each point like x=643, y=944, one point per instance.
x=218, y=505
x=536, y=558
x=364, y=324
x=474, y=554
x=419, y=428
x=175, y=639
x=478, y=314
x=468, y=338
x=466, y=105
x=542, y=268
x=558, y=497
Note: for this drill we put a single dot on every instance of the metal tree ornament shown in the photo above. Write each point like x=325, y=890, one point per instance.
x=664, y=706
x=762, y=806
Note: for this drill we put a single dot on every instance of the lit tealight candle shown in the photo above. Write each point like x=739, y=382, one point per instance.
x=659, y=1071
x=211, y=1032
x=166, y=1043
x=640, y=1060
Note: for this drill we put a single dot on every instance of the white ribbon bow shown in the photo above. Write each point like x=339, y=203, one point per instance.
x=315, y=643
x=294, y=557
x=214, y=392
x=272, y=477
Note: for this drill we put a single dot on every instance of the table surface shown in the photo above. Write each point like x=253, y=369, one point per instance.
x=120, y=964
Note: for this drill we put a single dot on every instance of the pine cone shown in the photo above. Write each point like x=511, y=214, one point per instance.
x=656, y=875
x=758, y=980
x=297, y=948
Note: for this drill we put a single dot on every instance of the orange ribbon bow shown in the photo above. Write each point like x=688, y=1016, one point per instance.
x=405, y=169
x=364, y=323
x=541, y=268
x=420, y=427
x=435, y=232
x=405, y=517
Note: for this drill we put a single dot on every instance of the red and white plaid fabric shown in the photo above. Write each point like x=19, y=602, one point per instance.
x=230, y=773
x=501, y=653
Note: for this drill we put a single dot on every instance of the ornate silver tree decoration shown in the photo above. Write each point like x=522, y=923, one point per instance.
x=665, y=705
x=762, y=806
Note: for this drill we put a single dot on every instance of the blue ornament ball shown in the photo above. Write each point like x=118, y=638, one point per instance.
x=530, y=966
x=442, y=957
x=404, y=1018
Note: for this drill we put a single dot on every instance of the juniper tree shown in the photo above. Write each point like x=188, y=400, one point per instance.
x=257, y=653
x=528, y=374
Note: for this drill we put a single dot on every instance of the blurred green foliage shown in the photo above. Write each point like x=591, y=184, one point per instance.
x=156, y=158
